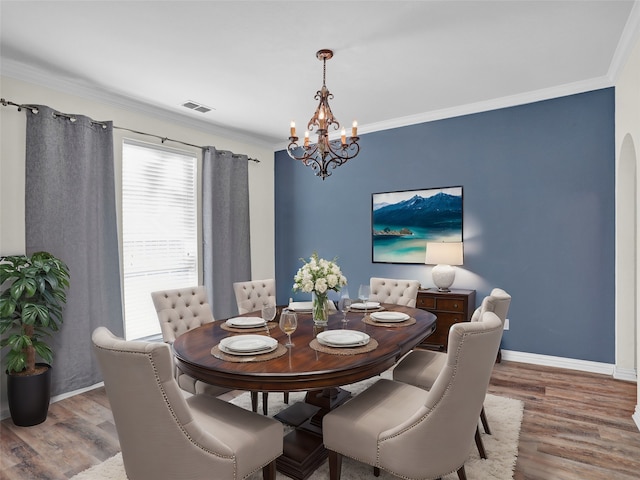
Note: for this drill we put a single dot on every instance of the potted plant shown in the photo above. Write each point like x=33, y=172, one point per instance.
x=30, y=309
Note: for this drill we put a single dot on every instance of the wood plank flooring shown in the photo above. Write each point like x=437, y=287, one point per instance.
x=577, y=426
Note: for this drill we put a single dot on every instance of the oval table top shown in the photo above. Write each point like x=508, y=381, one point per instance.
x=301, y=368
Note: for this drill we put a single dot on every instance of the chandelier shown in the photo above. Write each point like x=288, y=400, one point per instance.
x=325, y=153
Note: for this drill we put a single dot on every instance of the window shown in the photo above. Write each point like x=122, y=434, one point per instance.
x=159, y=218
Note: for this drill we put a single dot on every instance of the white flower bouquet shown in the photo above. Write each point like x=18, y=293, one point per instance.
x=318, y=276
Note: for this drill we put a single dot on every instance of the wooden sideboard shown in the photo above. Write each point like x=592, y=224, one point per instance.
x=449, y=307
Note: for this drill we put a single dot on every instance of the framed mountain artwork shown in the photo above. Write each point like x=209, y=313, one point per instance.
x=403, y=222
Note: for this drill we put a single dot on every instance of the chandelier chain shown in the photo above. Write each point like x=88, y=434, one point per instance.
x=324, y=72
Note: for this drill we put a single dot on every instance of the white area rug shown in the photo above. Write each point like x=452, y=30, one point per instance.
x=504, y=415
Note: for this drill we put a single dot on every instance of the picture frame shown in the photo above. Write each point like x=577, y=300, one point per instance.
x=402, y=222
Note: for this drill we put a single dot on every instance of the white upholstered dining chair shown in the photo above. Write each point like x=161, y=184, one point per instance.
x=250, y=297
x=392, y=290
x=422, y=367
x=163, y=435
x=415, y=433
x=180, y=310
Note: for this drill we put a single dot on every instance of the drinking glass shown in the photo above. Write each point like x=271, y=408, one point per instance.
x=363, y=294
x=344, y=304
x=288, y=324
x=269, y=311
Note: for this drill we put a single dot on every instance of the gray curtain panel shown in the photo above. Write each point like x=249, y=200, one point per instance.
x=70, y=211
x=225, y=227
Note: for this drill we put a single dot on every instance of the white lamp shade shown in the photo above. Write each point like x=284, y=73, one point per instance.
x=444, y=253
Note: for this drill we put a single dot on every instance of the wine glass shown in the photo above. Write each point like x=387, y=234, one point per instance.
x=268, y=312
x=363, y=294
x=344, y=305
x=288, y=324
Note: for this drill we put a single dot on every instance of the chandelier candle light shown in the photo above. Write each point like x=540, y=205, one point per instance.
x=325, y=153
x=317, y=276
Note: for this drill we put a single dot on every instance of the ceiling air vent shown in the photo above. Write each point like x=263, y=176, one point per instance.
x=198, y=107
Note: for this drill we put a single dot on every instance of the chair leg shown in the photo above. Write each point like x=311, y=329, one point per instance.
x=254, y=401
x=479, y=444
x=462, y=474
x=269, y=471
x=265, y=402
x=485, y=423
x=286, y=398
x=335, y=465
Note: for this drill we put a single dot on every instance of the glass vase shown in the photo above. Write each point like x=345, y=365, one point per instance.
x=320, y=311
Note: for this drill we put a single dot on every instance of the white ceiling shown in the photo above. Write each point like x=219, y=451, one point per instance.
x=395, y=62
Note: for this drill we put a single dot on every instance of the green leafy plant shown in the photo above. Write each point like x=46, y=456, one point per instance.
x=30, y=307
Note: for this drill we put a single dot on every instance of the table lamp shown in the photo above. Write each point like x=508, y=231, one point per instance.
x=443, y=255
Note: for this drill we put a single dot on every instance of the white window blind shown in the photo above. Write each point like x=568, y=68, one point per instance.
x=159, y=217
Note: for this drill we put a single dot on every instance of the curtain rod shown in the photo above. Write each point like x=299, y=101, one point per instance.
x=34, y=109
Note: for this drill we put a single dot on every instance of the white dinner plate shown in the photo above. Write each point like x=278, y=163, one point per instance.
x=246, y=322
x=248, y=344
x=389, y=317
x=342, y=338
x=301, y=306
x=369, y=305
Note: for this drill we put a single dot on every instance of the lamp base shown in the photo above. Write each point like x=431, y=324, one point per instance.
x=443, y=276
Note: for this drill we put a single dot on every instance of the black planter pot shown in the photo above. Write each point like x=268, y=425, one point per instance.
x=29, y=397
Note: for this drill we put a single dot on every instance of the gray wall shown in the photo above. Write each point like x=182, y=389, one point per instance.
x=538, y=186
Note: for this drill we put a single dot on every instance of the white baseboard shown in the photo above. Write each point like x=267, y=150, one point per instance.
x=559, y=362
x=636, y=416
x=628, y=374
x=62, y=396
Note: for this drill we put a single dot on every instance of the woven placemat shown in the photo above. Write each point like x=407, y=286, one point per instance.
x=370, y=321
x=372, y=345
x=368, y=311
x=278, y=352
x=228, y=328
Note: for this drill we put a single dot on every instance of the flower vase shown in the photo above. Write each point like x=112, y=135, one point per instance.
x=319, y=311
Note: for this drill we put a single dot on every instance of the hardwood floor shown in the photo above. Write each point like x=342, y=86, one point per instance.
x=576, y=426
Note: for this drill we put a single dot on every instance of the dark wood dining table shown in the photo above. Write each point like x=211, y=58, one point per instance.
x=303, y=368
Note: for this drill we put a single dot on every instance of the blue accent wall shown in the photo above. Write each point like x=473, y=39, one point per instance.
x=538, y=185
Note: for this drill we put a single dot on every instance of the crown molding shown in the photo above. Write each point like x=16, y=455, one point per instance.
x=630, y=36
x=485, y=106
x=27, y=73
x=493, y=104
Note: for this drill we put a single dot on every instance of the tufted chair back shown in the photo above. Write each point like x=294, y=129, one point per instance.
x=162, y=434
x=181, y=310
x=391, y=290
x=178, y=311
x=251, y=295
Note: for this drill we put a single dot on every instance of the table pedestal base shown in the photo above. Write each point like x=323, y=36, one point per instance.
x=302, y=455
x=303, y=449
